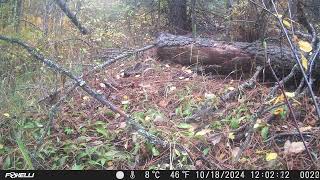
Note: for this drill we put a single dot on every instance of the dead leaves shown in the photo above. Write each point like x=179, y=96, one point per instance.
x=305, y=46
x=293, y=147
x=203, y=132
x=304, y=62
x=215, y=139
x=281, y=98
x=6, y=115
x=163, y=103
x=286, y=23
x=235, y=152
x=271, y=156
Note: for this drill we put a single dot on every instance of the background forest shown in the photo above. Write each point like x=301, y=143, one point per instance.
x=131, y=108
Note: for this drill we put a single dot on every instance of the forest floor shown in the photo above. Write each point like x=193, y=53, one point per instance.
x=160, y=96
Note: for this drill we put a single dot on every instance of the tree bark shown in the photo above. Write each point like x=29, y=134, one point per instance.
x=178, y=17
x=46, y=17
x=224, y=56
x=63, y=5
x=193, y=18
x=18, y=15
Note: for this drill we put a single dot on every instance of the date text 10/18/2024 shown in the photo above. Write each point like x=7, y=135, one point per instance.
x=233, y=174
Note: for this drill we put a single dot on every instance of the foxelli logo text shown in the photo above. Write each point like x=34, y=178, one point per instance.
x=14, y=175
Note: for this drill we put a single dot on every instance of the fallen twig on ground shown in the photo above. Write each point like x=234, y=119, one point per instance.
x=293, y=115
x=208, y=110
x=96, y=69
x=295, y=133
x=81, y=83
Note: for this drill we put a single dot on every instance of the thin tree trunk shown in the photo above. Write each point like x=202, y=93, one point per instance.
x=193, y=18
x=63, y=6
x=18, y=15
x=46, y=17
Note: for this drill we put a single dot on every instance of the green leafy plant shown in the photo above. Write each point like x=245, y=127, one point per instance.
x=25, y=153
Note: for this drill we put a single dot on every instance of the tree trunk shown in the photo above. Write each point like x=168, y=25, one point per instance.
x=178, y=17
x=63, y=5
x=18, y=14
x=193, y=18
x=46, y=17
x=224, y=57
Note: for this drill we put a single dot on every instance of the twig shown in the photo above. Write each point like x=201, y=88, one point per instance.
x=55, y=67
x=312, y=62
x=107, y=63
x=248, y=84
x=288, y=134
x=298, y=61
x=304, y=21
x=52, y=115
x=285, y=79
x=249, y=133
x=272, y=107
x=208, y=110
x=298, y=90
x=63, y=6
x=292, y=113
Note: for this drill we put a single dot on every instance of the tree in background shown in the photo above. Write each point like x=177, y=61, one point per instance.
x=179, y=20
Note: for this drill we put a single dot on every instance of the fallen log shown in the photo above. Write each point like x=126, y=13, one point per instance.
x=223, y=56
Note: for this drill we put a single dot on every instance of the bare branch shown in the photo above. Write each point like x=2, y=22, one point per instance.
x=63, y=5
x=81, y=83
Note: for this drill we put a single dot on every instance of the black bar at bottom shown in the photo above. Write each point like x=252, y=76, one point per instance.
x=160, y=174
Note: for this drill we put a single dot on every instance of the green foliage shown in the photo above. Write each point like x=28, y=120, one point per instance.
x=25, y=153
x=216, y=125
x=265, y=132
x=206, y=151
x=147, y=117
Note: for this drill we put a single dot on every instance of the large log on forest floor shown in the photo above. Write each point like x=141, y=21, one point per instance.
x=224, y=57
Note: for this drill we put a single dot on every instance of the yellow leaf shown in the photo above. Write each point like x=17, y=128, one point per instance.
x=6, y=114
x=125, y=97
x=286, y=23
x=279, y=16
x=202, y=132
x=304, y=62
x=231, y=136
x=1, y=146
x=278, y=111
x=271, y=156
x=279, y=99
x=305, y=46
x=288, y=19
